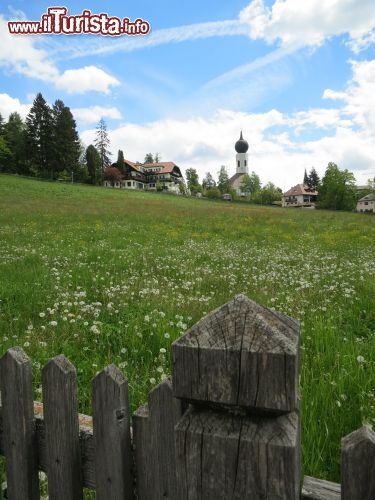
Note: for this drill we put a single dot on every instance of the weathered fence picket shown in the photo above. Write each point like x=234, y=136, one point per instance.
x=154, y=442
x=227, y=427
x=357, y=465
x=111, y=422
x=18, y=425
x=62, y=430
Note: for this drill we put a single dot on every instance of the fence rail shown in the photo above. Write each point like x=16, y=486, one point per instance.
x=227, y=426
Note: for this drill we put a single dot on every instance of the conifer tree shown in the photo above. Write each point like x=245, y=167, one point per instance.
x=313, y=180
x=14, y=134
x=94, y=164
x=65, y=139
x=102, y=144
x=39, y=137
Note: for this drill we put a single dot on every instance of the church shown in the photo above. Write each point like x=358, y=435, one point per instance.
x=241, y=148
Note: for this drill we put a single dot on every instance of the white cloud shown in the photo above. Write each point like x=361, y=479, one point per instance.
x=18, y=53
x=308, y=23
x=92, y=114
x=89, y=78
x=21, y=54
x=10, y=104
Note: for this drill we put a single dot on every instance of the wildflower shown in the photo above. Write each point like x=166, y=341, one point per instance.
x=162, y=350
x=53, y=323
x=360, y=359
x=42, y=314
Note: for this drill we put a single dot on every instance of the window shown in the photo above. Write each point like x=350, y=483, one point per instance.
x=129, y=184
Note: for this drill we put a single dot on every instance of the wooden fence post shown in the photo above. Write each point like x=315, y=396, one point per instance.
x=111, y=423
x=240, y=439
x=61, y=430
x=18, y=425
x=153, y=433
x=357, y=465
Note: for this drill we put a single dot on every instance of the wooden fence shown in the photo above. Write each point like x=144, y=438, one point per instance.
x=226, y=427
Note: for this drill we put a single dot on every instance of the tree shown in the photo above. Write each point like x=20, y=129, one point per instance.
x=337, y=190
x=313, y=180
x=305, y=179
x=223, y=180
x=268, y=194
x=120, y=161
x=65, y=140
x=208, y=182
x=2, y=125
x=94, y=164
x=5, y=154
x=112, y=174
x=102, y=144
x=149, y=158
x=39, y=137
x=193, y=181
x=15, y=137
x=250, y=184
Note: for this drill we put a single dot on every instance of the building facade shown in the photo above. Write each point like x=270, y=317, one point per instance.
x=366, y=204
x=299, y=196
x=163, y=176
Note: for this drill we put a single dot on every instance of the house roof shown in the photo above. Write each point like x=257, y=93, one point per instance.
x=368, y=197
x=298, y=190
x=166, y=166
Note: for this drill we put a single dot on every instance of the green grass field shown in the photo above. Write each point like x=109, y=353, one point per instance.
x=109, y=276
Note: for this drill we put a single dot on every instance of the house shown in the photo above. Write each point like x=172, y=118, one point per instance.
x=299, y=196
x=165, y=176
x=366, y=204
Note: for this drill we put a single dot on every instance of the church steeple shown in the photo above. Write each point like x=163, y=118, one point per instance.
x=241, y=148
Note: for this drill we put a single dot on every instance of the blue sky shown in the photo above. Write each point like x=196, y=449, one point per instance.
x=297, y=77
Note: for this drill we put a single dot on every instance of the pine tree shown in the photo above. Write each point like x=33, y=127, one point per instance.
x=102, y=144
x=305, y=179
x=14, y=134
x=39, y=137
x=313, y=180
x=65, y=139
x=120, y=161
x=94, y=164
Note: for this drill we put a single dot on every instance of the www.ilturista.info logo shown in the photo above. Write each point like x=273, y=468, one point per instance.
x=57, y=22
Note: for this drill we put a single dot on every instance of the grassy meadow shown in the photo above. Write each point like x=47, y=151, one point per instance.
x=109, y=276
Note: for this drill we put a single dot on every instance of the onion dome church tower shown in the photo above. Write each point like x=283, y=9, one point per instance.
x=242, y=161
x=241, y=148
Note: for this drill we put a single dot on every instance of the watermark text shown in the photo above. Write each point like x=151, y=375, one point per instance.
x=56, y=22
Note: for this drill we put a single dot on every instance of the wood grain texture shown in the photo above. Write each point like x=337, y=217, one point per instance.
x=222, y=456
x=19, y=438
x=357, y=465
x=318, y=489
x=61, y=430
x=241, y=354
x=113, y=456
x=155, y=444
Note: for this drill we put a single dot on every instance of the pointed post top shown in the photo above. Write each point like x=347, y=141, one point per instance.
x=242, y=355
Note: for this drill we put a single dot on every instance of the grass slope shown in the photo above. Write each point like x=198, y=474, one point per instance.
x=109, y=276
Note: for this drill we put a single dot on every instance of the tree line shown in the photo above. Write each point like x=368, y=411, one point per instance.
x=47, y=145
x=251, y=188
x=337, y=189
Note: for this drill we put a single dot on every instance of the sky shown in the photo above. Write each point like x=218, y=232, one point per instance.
x=297, y=77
